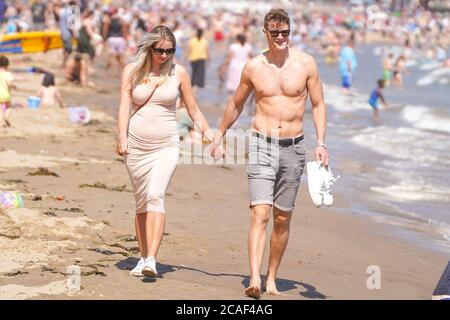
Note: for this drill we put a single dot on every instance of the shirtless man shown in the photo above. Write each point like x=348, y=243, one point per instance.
x=282, y=78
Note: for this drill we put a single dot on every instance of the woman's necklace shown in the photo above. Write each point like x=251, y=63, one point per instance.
x=149, y=76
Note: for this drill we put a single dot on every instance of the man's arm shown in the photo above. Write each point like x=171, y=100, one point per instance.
x=319, y=110
x=236, y=104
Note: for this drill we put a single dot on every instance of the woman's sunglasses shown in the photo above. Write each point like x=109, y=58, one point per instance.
x=160, y=51
x=275, y=33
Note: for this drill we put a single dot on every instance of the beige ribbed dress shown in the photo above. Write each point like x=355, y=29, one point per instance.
x=153, y=142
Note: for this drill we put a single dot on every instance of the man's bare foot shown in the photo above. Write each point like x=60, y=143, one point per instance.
x=271, y=288
x=253, y=292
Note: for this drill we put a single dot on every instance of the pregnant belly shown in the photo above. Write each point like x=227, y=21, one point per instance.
x=150, y=130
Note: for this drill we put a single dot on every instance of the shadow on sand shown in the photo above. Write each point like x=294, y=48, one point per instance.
x=283, y=285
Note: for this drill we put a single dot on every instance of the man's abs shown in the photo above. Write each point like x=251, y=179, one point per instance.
x=280, y=116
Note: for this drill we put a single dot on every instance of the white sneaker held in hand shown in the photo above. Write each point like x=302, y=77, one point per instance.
x=314, y=182
x=327, y=182
x=320, y=181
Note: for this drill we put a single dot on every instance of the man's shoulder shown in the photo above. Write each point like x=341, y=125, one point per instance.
x=303, y=57
x=253, y=63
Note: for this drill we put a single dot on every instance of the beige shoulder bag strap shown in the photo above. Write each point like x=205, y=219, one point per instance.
x=143, y=104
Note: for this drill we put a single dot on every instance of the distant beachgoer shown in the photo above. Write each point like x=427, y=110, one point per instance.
x=48, y=92
x=197, y=55
x=375, y=95
x=441, y=53
x=76, y=71
x=388, y=68
x=138, y=27
x=238, y=55
x=332, y=48
x=38, y=9
x=115, y=31
x=217, y=25
x=149, y=138
x=6, y=84
x=347, y=65
x=179, y=34
x=399, y=69
x=66, y=31
x=85, y=35
x=407, y=50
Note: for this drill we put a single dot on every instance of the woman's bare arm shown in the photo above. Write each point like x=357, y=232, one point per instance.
x=191, y=104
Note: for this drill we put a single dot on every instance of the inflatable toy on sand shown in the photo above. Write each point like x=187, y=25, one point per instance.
x=30, y=42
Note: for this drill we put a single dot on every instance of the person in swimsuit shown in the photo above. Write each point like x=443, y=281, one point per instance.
x=375, y=95
x=399, y=69
x=388, y=68
x=149, y=138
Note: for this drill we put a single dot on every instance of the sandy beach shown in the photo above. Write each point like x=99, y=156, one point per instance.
x=79, y=210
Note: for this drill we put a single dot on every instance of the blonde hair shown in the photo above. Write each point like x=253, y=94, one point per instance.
x=143, y=57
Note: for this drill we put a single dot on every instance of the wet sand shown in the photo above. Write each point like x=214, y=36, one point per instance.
x=84, y=216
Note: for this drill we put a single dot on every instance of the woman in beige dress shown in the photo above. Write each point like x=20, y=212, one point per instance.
x=148, y=135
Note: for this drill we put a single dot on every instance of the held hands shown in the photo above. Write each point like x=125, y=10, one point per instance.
x=122, y=146
x=217, y=151
x=321, y=154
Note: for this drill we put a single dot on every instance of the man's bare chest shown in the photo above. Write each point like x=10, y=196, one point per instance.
x=287, y=81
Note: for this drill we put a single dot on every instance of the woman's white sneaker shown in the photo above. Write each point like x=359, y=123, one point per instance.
x=149, y=269
x=137, y=271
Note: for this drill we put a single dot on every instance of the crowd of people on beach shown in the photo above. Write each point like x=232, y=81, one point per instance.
x=161, y=51
x=107, y=32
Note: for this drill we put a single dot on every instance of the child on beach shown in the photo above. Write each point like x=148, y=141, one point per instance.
x=48, y=92
x=375, y=94
x=6, y=84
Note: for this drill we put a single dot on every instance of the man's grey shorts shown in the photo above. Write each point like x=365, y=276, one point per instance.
x=274, y=171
